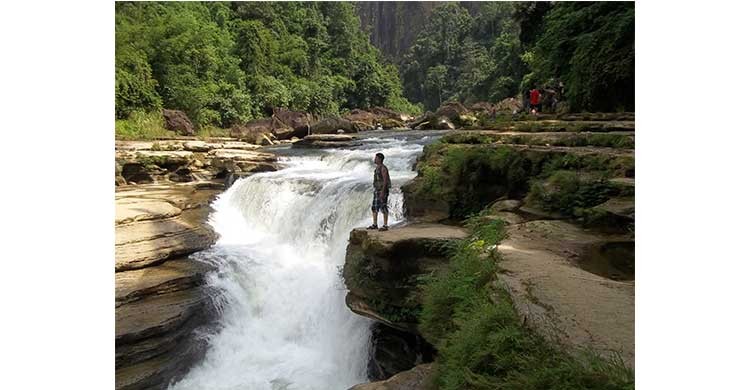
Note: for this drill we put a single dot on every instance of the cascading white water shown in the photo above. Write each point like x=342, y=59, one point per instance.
x=283, y=237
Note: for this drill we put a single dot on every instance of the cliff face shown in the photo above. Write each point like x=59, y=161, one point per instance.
x=394, y=25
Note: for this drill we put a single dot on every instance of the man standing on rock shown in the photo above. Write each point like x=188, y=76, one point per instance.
x=381, y=183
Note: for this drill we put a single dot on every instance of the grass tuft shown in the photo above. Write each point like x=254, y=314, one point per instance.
x=141, y=126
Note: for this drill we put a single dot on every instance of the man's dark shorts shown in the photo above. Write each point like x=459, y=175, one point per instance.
x=377, y=204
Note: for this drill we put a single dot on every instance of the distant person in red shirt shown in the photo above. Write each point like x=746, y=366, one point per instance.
x=534, y=100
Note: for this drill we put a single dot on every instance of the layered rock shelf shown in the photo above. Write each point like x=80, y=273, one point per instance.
x=160, y=295
x=179, y=161
x=564, y=188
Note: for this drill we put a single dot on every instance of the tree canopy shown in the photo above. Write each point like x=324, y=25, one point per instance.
x=225, y=63
x=507, y=48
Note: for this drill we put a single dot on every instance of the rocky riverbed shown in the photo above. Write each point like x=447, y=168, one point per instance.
x=569, y=270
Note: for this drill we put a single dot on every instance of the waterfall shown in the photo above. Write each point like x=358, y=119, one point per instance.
x=283, y=236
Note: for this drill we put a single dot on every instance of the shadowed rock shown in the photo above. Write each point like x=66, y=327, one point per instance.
x=178, y=121
x=418, y=378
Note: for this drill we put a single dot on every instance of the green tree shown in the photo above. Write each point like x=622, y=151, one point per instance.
x=436, y=82
x=135, y=89
x=591, y=47
x=224, y=63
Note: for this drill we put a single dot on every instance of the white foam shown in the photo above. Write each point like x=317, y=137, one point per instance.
x=283, y=237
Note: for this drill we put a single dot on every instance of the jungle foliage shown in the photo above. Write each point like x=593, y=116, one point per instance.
x=508, y=48
x=224, y=63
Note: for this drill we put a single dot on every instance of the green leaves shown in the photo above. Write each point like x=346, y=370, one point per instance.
x=591, y=47
x=134, y=87
x=226, y=63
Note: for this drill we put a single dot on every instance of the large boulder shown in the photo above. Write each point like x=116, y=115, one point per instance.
x=381, y=269
x=298, y=122
x=386, y=113
x=482, y=109
x=509, y=106
x=363, y=116
x=452, y=111
x=178, y=121
x=256, y=131
x=333, y=125
x=388, y=123
x=431, y=121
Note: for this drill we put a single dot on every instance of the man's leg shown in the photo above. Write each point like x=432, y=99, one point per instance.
x=385, y=217
x=375, y=218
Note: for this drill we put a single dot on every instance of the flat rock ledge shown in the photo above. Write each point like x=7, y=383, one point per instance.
x=574, y=286
x=321, y=141
x=181, y=161
x=160, y=294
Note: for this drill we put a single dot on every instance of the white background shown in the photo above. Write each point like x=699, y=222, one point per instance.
x=57, y=161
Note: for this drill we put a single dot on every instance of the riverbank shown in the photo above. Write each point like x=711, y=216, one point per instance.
x=542, y=290
x=163, y=196
x=160, y=294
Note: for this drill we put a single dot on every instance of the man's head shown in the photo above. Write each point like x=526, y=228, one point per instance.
x=379, y=158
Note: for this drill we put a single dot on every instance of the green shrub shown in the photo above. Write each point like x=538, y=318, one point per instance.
x=566, y=192
x=448, y=296
x=141, y=126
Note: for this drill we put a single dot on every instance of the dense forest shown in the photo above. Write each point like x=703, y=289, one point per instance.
x=225, y=63
x=507, y=48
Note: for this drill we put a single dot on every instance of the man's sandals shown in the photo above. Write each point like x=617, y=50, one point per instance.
x=375, y=227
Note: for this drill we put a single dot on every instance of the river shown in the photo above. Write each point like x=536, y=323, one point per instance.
x=283, y=323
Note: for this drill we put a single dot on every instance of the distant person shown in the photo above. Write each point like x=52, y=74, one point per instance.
x=534, y=100
x=381, y=183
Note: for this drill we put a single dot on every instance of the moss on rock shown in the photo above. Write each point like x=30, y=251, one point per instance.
x=457, y=180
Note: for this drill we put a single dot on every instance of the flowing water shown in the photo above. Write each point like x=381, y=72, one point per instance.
x=283, y=236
